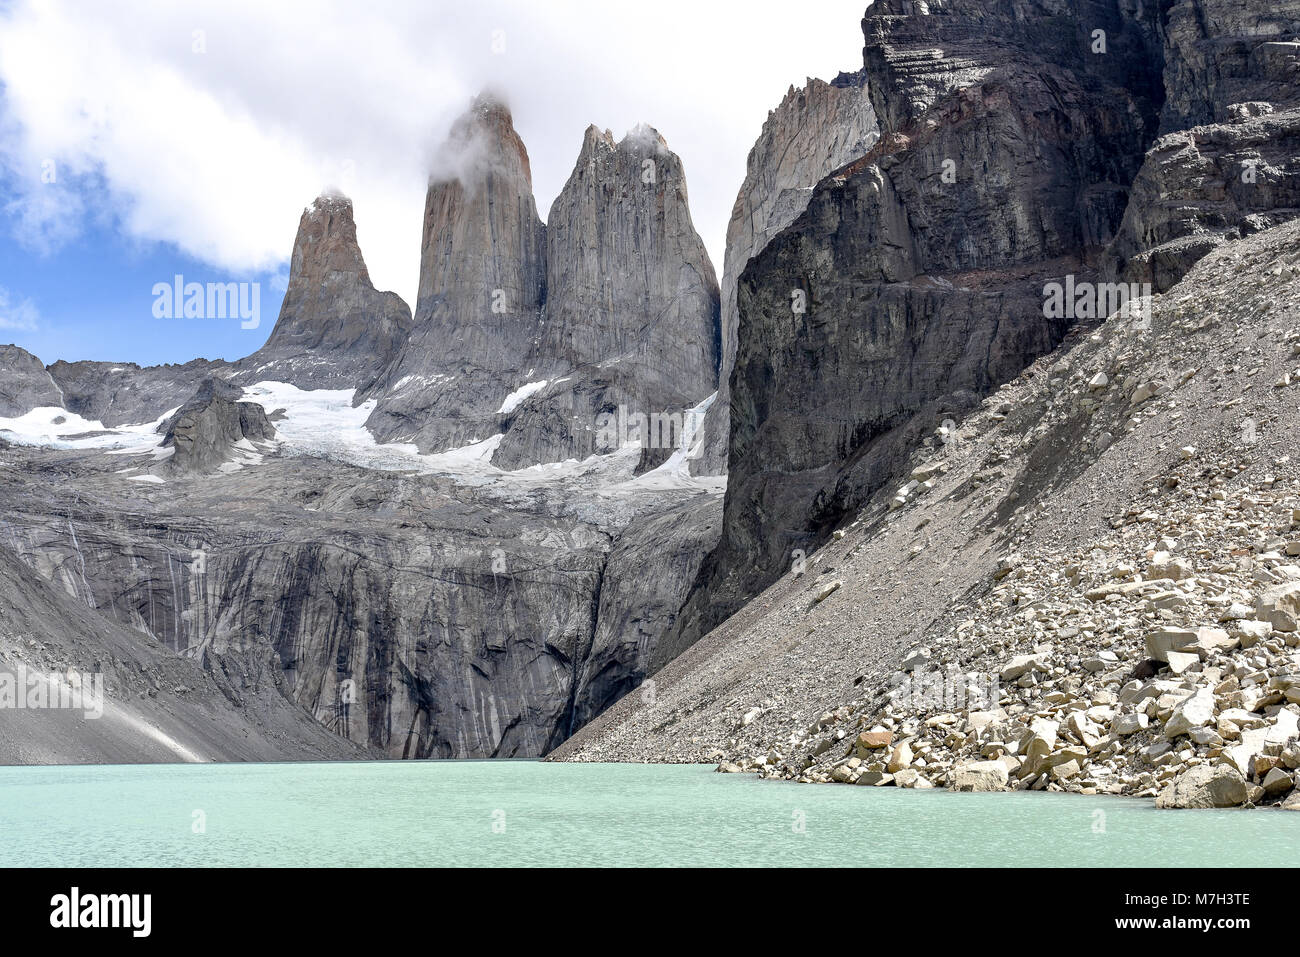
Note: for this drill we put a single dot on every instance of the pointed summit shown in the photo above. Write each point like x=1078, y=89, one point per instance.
x=326, y=243
x=482, y=264
x=593, y=138
x=335, y=330
x=482, y=286
x=632, y=301
x=534, y=331
x=482, y=140
x=629, y=275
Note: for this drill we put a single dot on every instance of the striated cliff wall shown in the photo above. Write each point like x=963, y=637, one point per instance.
x=1228, y=161
x=816, y=129
x=412, y=605
x=912, y=284
x=631, y=317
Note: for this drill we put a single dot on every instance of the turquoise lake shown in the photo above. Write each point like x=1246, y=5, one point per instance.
x=495, y=813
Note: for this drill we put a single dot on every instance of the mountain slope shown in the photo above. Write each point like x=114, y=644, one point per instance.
x=913, y=282
x=1112, y=534
x=254, y=518
x=155, y=707
x=1135, y=482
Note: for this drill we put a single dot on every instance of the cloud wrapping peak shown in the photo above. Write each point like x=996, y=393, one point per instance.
x=208, y=125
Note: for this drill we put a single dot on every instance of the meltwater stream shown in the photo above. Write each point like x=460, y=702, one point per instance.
x=489, y=813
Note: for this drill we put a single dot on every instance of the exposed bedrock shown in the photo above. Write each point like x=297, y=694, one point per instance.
x=136, y=700
x=411, y=614
x=25, y=385
x=335, y=330
x=538, y=331
x=815, y=130
x=914, y=281
x=1228, y=162
x=482, y=288
x=631, y=315
x=214, y=428
x=421, y=614
x=124, y=393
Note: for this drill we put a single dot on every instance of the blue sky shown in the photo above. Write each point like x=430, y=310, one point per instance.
x=92, y=299
x=187, y=136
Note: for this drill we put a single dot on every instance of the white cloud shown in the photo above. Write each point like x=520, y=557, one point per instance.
x=218, y=151
x=20, y=316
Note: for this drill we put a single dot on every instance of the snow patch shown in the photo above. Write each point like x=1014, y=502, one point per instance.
x=673, y=475
x=514, y=399
x=56, y=428
x=323, y=423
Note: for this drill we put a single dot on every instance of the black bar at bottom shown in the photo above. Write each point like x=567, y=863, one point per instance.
x=334, y=907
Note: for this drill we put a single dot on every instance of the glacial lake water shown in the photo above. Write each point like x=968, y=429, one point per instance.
x=487, y=813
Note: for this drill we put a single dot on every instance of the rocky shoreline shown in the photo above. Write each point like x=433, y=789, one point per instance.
x=1158, y=658
x=1193, y=717
x=1091, y=584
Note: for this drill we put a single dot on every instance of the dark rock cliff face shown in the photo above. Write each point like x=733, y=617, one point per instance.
x=913, y=282
x=1221, y=54
x=636, y=615
x=335, y=330
x=1228, y=162
x=123, y=393
x=815, y=130
x=918, y=297
x=156, y=706
x=410, y=613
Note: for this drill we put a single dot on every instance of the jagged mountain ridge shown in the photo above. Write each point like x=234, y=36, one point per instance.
x=535, y=331
x=637, y=310
x=419, y=606
x=212, y=428
x=897, y=284
x=631, y=318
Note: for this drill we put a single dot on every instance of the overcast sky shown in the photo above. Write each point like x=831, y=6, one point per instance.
x=197, y=131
